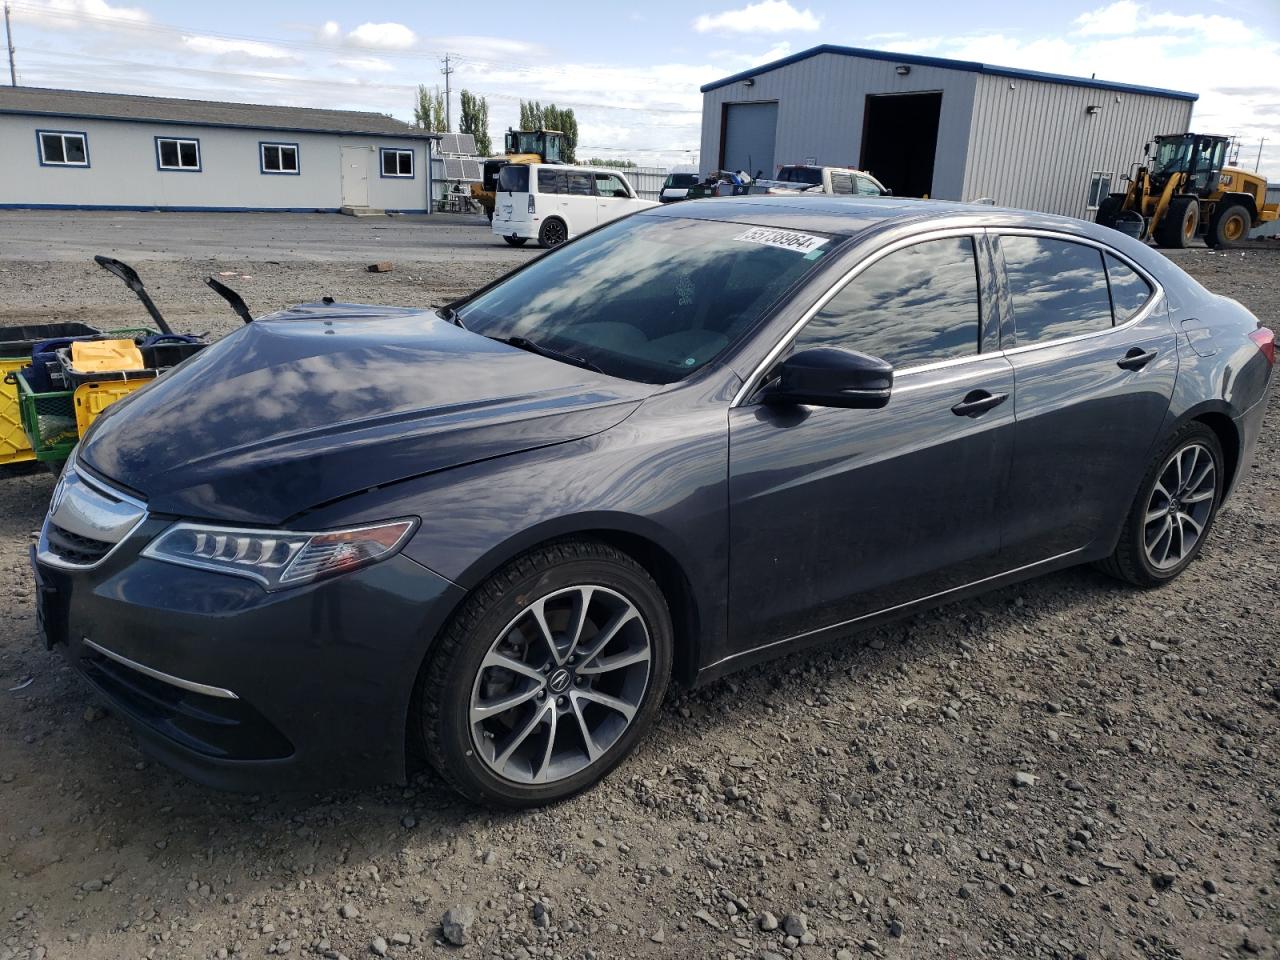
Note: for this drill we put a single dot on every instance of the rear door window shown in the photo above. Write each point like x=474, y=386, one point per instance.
x=1129, y=291
x=917, y=305
x=1057, y=288
x=550, y=181
x=514, y=178
x=580, y=183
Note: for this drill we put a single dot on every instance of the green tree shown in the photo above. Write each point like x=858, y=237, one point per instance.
x=475, y=121
x=531, y=115
x=428, y=112
x=563, y=120
x=618, y=164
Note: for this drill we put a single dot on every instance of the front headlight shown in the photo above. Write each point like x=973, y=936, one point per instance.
x=278, y=558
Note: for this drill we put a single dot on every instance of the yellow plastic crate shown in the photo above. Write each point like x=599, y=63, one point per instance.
x=94, y=397
x=14, y=445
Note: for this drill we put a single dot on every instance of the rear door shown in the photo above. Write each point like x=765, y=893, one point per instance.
x=838, y=514
x=579, y=204
x=1094, y=356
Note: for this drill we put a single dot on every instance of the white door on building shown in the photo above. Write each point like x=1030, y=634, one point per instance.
x=355, y=176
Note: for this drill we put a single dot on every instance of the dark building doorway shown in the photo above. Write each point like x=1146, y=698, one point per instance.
x=899, y=139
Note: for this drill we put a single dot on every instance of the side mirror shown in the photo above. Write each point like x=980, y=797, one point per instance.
x=833, y=377
x=888, y=192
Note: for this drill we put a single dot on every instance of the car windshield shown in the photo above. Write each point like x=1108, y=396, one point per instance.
x=681, y=180
x=1172, y=156
x=649, y=298
x=811, y=176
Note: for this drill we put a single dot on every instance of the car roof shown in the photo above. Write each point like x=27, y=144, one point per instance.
x=852, y=215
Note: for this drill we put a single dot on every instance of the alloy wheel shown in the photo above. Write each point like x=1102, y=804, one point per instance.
x=1180, y=505
x=560, y=684
x=554, y=233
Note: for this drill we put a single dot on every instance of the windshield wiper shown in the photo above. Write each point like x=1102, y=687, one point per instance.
x=450, y=314
x=524, y=343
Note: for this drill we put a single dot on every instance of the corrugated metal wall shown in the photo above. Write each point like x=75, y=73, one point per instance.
x=820, y=107
x=1034, y=144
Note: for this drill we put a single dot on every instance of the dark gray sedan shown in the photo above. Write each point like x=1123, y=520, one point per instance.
x=689, y=441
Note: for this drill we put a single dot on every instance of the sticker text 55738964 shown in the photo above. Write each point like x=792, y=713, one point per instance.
x=786, y=239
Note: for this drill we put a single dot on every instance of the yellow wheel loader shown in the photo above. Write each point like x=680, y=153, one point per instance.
x=521, y=146
x=1182, y=190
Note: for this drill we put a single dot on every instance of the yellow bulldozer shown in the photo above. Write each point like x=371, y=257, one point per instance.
x=1183, y=190
x=521, y=146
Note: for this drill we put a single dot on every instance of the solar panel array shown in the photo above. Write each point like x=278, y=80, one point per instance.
x=462, y=168
x=458, y=144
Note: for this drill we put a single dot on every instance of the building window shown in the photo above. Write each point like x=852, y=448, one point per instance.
x=173, y=154
x=397, y=163
x=1099, y=188
x=60, y=148
x=278, y=157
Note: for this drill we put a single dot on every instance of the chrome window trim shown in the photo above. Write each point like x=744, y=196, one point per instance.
x=752, y=383
x=46, y=556
x=154, y=674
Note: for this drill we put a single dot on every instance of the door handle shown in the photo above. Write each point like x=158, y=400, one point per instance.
x=1136, y=359
x=978, y=402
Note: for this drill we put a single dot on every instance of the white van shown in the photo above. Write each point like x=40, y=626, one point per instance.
x=552, y=203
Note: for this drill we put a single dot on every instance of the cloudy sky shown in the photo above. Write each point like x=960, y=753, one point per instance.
x=632, y=71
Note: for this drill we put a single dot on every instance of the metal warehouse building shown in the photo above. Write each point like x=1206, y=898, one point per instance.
x=948, y=129
x=70, y=149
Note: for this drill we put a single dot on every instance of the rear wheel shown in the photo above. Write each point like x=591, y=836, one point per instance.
x=1173, y=512
x=1229, y=226
x=547, y=677
x=552, y=233
x=1180, y=223
x=515, y=241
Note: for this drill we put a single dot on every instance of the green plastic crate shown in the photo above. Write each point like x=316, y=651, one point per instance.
x=49, y=419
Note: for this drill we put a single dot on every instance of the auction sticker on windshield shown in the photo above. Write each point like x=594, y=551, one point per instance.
x=786, y=239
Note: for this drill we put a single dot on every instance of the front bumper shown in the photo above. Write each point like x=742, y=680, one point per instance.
x=244, y=689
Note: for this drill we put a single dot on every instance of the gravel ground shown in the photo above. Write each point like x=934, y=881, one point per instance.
x=1067, y=768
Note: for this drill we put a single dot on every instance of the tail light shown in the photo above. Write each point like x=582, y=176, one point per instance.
x=1266, y=341
x=532, y=205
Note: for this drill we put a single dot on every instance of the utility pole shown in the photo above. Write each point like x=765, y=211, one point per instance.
x=1257, y=163
x=8, y=39
x=448, y=99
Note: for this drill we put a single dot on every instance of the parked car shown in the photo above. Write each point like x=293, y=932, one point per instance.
x=837, y=181
x=552, y=203
x=690, y=441
x=677, y=186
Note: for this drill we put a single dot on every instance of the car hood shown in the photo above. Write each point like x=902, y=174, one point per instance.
x=324, y=400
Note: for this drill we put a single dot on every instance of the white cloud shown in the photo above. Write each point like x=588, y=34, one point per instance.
x=1126, y=17
x=251, y=49
x=385, y=36
x=76, y=14
x=331, y=29
x=1118, y=18
x=766, y=16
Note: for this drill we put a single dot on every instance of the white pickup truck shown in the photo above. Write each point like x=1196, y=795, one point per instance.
x=843, y=181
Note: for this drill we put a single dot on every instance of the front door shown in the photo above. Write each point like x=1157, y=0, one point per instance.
x=1095, y=358
x=355, y=176
x=838, y=514
x=613, y=199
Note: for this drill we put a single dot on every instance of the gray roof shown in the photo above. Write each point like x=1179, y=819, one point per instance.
x=85, y=105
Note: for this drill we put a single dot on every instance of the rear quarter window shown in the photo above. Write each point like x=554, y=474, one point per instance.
x=1129, y=291
x=1057, y=288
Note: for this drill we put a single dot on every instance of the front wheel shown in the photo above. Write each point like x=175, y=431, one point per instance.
x=1181, y=221
x=547, y=677
x=1174, y=511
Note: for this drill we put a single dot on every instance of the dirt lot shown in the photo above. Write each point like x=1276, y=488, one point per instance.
x=857, y=800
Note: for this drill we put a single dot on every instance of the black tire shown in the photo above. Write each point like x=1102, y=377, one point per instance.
x=1180, y=222
x=443, y=695
x=1130, y=561
x=1229, y=227
x=1109, y=210
x=515, y=241
x=552, y=233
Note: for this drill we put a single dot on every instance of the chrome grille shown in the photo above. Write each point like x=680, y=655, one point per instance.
x=87, y=520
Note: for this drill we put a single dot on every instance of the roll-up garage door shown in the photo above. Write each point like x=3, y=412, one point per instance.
x=750, y=130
